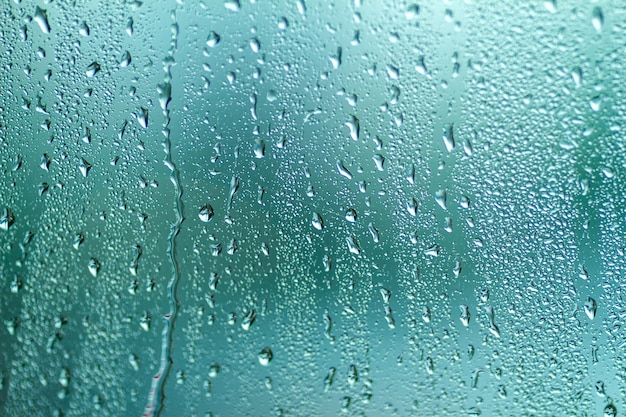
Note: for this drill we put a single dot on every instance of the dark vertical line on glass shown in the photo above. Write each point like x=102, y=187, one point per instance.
x=156, y=397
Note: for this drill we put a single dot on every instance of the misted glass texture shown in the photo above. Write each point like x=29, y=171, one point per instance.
x=312, y=208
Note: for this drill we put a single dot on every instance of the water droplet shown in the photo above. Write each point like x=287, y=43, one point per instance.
x=448, y=136
x=420, y=67
x=213, y=39
x=327, y=263
x=335, y=60
x=93, y=69
x=259, y=148
x=248, y=320
x=7, y=219
x=353, y=246
x=393, y=72
x=353, y=375
x=130, y=26
x=329, y=379
x=354, y=126
x=433, y=251
x=597, y=19
x=411, y=207
x=134, y=262
x=125, y=59
x=142, y=117
x=84, y=29
x=429, y=365
x=374, y=232
x=214, y=370
x=391, y=322
x=465, y=315
x=45, y=162
x=265, y=356
x=609, y=411
x=440, y=198
x=255, y=45
x=550, y=5
x=78, y=240
x=317, y=221
x=590, y=308
x=84, y=167
x=41, y=18
x=412, y=12
x=343, y=170
x=144, y=321
x=232, y=5
x=379, y=161
x=351, y=215
x=93, y=266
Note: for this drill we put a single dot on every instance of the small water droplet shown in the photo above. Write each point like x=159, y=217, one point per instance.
x=317, y=221
x=259, y=148
x=142, y=117
x=84, y=29
x=433, y=251
x=411, y=207
x=590, y=308
x=379, y=161
x=93, y=266
x=329, y=379
x=125, y=59
x=440, y=198
x=213, y=39
x=93, y=69
x=255, y=45
x=351, y=215
x=84, y=167
x=343, y=170
x=354, y=126
x=597, y=19
x=353, y=245
x=265, y=356
x=248, y=320
x=412, y=12
x=448, y=137
x=232, y=5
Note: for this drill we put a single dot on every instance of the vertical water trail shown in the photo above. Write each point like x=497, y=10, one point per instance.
x=157, y=397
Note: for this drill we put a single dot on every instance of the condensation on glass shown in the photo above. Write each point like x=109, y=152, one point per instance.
x=312, y=208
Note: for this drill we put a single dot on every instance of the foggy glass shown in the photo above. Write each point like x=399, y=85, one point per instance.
x=312, y=208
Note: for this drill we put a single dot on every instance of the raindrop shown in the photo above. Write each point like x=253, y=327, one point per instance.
x=41, y=18
x=142, y=117
x=411, y=207
x=232, y=5
x=125, y=59
x=448, y=137
x=93, y=266
x=440, y=198
x=590, y=308
x=343, y=170
x=351, y=215
x=93, y=69
x=84, y=167
x=265, y=356
x=213, y=39
x=259, y=148
x=354, y=127
x=317, y=221
x=353, y=246
x=379, y=161
x=597, y=19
